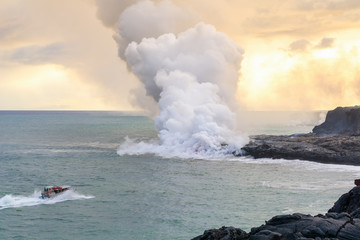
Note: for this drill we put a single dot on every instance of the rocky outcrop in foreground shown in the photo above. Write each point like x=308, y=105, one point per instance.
x=342, y=222
x=335, y=141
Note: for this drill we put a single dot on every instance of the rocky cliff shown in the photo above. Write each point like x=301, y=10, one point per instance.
x=342, y=222
x=341, y=121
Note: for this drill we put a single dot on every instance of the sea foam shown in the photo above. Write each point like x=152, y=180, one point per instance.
x=18, y=201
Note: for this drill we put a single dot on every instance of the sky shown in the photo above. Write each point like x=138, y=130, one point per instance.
x=66, y=55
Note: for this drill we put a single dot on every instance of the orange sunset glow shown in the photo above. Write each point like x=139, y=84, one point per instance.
x=298, y=55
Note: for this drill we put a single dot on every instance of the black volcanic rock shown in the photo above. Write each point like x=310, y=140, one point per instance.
x=349, y=203
x=341, y=121
x=301, y=226
x=224, y=233
x=335, y=141
x=323, y=149
x=339, y=223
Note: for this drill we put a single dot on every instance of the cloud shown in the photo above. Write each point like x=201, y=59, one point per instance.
x=325, y=43
x=8, y=31
x=147, y=19
x=108, y=11
x=331, y=5
x=66, y=34
x=299, y=45
x=304, y=46
x=316, y=83
x=34, y=54
x=262, y=28
x=296, y=18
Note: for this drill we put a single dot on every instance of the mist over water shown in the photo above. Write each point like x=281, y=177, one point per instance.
x=193, y=79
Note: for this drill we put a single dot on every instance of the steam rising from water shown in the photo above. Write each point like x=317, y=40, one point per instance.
x=190, y=75
x=193, y=79
x=11, y=201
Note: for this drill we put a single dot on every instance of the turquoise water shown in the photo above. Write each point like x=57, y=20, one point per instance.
x=141, y=196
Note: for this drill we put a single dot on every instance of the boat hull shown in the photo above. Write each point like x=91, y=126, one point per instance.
x=51, y=192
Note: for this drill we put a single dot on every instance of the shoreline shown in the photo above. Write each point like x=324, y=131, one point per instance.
x=343, y=150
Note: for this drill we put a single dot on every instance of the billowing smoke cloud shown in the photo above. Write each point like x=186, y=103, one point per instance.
x=208, y=55
x=147, y=19
x=109, y=11
x=191, y=75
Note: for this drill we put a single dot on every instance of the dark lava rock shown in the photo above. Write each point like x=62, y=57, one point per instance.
x=335, y=141
x=340, y=223
x=349, y=203
x=351, y=230
x=323, y=149
x=341, y=121
x=332, y=226
x=224, y=233
x=301, y=226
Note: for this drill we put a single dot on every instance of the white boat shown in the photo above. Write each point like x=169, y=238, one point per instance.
x=53, y=191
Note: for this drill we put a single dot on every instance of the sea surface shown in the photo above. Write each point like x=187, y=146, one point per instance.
x=145, y=196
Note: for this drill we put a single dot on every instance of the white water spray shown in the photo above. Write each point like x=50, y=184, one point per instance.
x=17, y=201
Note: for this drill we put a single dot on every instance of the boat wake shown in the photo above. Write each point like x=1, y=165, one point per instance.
x=18, y=201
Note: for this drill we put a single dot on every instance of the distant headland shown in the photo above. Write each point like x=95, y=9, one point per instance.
x=336, y=141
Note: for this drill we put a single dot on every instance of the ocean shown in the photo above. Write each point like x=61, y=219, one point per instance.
x=145, y=196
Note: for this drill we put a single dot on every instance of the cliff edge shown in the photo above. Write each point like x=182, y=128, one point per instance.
x=341, y=121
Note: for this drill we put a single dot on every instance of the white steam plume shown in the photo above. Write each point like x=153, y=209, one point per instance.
x=190, y=74
x=146, y=19
x=193, y=78
x=108, y=11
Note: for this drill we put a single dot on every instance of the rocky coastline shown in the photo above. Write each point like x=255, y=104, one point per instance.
x=341, y=222
x=312, y=147
x=335, y=141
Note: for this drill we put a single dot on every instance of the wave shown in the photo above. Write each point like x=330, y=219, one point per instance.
x=18, y=201
x=295, y=165
x=186, y=150
x=307, y=186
